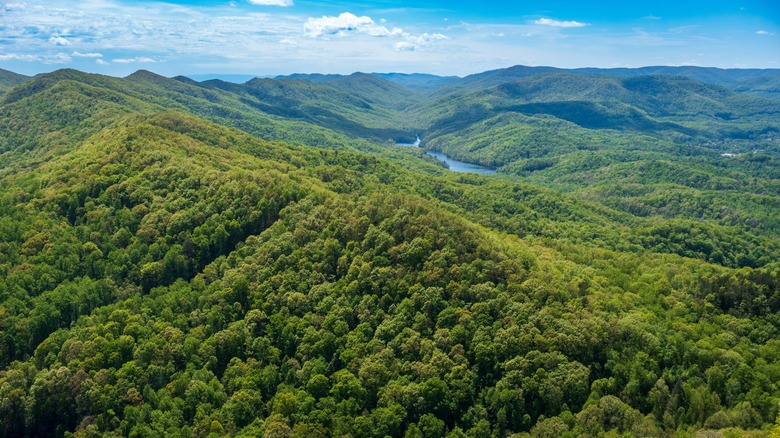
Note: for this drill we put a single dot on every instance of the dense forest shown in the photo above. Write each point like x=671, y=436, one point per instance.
x=183, y=258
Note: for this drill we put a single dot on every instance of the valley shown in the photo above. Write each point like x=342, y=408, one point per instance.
x=277, y=258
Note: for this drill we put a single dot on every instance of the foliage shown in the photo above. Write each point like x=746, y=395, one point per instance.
x=163, y=275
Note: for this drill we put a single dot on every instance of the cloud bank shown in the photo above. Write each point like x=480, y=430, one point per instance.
x=59, y=41
x=137, y=60
x=413, y=43
x=87, y=55
x=559, y=23
x=264, y=37
x=345, y=24
x=283, y=3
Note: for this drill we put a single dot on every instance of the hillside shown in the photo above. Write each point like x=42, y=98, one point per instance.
x=682, y=142
x=714, y=76
x=639, y=103
x=36, y=107
x=764, y=86
x=169, y=268
x=10, y=79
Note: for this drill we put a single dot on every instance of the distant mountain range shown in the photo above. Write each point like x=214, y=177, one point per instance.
x=759, y=81
x=744, y=80
x=213, y=258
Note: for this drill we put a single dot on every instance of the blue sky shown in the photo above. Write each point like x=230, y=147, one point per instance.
x=455, y=37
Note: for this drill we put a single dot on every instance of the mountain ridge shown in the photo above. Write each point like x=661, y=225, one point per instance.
x=168, y=268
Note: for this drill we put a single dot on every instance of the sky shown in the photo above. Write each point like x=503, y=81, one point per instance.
x=452, y=37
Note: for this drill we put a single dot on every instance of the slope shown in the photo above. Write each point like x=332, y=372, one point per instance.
x=356, y=105
x=35, y=108
x=66, y=118
x=644, y=103
x=9, y=79
x=170, y=276
x=418, y=81
x=678, y=138
x=767, y=86
x=710, y=75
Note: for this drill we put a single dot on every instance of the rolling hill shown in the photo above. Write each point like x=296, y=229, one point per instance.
x=729, y=78
x=10, y=79
x=185, y=258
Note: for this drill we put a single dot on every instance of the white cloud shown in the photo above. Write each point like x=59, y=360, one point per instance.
x=60, y=41
x=18, y=57
x=59, y=58
x=415, y=42
x=764, y=32
x=349, y=24
x=237, y=37
x=559, y=23
x=283, y=3
x=136, y=60
x=346, y=24
x=87, y=55
x=210, y=36
x=13, y=6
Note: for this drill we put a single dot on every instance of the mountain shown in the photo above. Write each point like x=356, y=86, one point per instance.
x=377, y=90
x=768, y=86
x=313, y=77
x=709, y=75
x=169, y=269
x=645, y=104
x=418, y=81
x=251, y=108
x=414, y=81
x=592, y=135
x=10, y=79
x=319, y=104
x=234, y=78
x=374, y=87
x=730, y=78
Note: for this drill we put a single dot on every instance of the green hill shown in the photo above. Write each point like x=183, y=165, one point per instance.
x=10, y=79
x=418, y=81
x=146, y=92
x=764, y=86
x=709, y=75
x=168, y=270
x=668, y=98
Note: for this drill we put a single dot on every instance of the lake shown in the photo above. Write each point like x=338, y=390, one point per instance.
x=454, y=165
x=461, y=166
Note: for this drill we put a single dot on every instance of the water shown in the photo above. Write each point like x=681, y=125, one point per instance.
x=461, y=166
x=455, y=165
x=416, y=143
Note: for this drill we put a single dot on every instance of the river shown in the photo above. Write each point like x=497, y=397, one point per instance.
x=454, y=165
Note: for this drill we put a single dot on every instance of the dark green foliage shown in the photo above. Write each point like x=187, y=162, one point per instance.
x=10, y=79
x=162, y=275
x=715, y=76
x=764, y=86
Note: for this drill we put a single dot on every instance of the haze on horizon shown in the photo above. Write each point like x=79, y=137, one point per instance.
x=272, y=37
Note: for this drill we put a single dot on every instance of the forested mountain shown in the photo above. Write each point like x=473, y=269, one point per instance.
x=736, y=79
x=766, y=86
x=709, y=75
x=418, y=81
x=9, y=79
x=182, y=258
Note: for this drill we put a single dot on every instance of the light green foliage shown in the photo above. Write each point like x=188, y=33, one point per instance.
x=163, y=275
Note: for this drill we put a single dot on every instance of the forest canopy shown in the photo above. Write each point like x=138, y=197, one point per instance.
x=196, y=259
